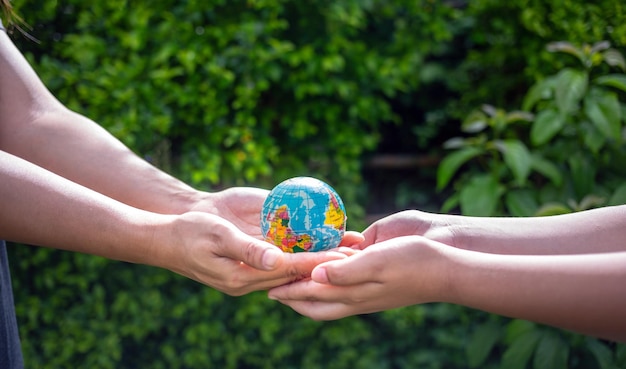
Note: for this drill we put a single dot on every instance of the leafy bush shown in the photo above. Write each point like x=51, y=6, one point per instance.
x=565, y=157
x=502, y=40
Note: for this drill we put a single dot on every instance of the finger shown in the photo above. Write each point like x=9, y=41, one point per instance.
x=325, y=302
x=348, y=251
x=299, y=265
x=294, y=267
x=352, y=238
x=369, y=236
x=308, y=290
x=317, y=310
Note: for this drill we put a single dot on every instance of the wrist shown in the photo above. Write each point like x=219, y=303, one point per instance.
x=435, y=274
x=186, y=200
x=452, y=267
x=157, y=240
x=452, y=230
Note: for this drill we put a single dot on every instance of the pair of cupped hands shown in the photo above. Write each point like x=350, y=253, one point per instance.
x=362, y=275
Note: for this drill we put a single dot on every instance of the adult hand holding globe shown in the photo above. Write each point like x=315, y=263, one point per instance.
x=303, y=214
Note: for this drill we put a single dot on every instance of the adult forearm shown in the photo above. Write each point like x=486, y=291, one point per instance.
x=41, y=208
x=76, y=148
x=582, y=293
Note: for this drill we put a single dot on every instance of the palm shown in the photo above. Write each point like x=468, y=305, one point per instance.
x=239, y=205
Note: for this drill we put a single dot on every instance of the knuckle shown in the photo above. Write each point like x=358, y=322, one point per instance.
x=251, y=251
x=235, y=286
x=295, y=274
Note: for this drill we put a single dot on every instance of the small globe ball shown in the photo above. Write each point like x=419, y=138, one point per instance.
x=303, y=214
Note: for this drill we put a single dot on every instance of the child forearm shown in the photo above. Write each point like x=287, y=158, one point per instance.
x=582, y=293
x=592, y=231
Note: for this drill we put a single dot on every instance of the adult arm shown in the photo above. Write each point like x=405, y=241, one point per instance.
x=44, y=209
x=583, y=293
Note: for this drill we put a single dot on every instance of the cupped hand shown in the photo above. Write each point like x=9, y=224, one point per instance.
x=213, y=251
x=393, y=273
x=241, y=206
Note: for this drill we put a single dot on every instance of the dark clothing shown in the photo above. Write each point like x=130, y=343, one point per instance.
x=10, y=348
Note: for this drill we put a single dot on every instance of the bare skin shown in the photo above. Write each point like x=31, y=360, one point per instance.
x=566, y=271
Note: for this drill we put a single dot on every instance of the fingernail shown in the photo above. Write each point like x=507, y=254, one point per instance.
x=319, y=275
x=270, y=258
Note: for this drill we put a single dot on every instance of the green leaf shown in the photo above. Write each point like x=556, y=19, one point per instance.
x=593, y=138
x=539, y=91
x=517, y=158
x=613, y=80
x=566, y=47
x=603, y=355
x=475, y=122
x=521, y=203
x=490, y=110
x=451, y=163
x=518, y=327
x=570, y=88
x=519, y=116
x=455, y=143
x=547, y=169
x=590, y=201
x=551, y=353
x=614, y=58
x=620, y=355
x=480, y=197
x=603, y=109
x=546, y=125
x=583, y=174
x=519, y=352
x=450, y=203
x=618, y=197
x=481, y=343
x=552, y=209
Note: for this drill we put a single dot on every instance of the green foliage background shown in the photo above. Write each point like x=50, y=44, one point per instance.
x=223, y=93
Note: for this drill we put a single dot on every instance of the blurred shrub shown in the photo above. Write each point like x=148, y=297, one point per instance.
x=561, y=152
x=502, y=41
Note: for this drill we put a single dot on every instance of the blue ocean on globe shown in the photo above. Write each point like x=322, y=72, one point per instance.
x=303, y=214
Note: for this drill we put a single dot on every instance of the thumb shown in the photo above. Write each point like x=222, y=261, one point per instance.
x=240, y=246
x=253, y=252
x=262, y=255
x=356, y=269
